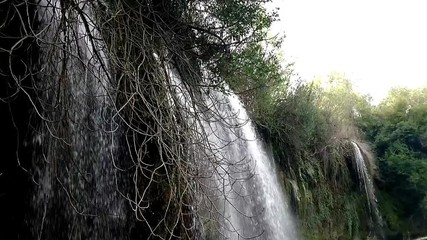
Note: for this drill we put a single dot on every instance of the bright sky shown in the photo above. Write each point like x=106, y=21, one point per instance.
x=377, y=43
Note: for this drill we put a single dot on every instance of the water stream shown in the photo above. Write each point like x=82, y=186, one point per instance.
x=248, y=197
x=367, y=186
x=253, y=201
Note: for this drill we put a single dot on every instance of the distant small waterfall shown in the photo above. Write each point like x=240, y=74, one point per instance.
x=367, y=185
x=242, y=176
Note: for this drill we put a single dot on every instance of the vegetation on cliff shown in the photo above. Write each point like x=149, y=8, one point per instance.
x=397, y=130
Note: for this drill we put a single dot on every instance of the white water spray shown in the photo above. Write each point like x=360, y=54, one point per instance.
x=242, y=175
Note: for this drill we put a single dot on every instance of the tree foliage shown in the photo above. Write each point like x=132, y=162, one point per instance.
x=397, y=127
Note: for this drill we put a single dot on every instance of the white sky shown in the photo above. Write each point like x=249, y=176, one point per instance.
x=377, y=43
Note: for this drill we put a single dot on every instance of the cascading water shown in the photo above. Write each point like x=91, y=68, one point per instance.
x=77, y=195
x=75, y=170
x=246, y=191
x=367, y=185
x=254, y=201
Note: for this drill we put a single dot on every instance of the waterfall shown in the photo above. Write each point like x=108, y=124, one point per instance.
x=367, y=185
x=76, y=178
x=254, y=201
x=242, y=176
x=77, y=193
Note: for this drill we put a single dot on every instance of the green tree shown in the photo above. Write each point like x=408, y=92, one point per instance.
x=397, y=127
